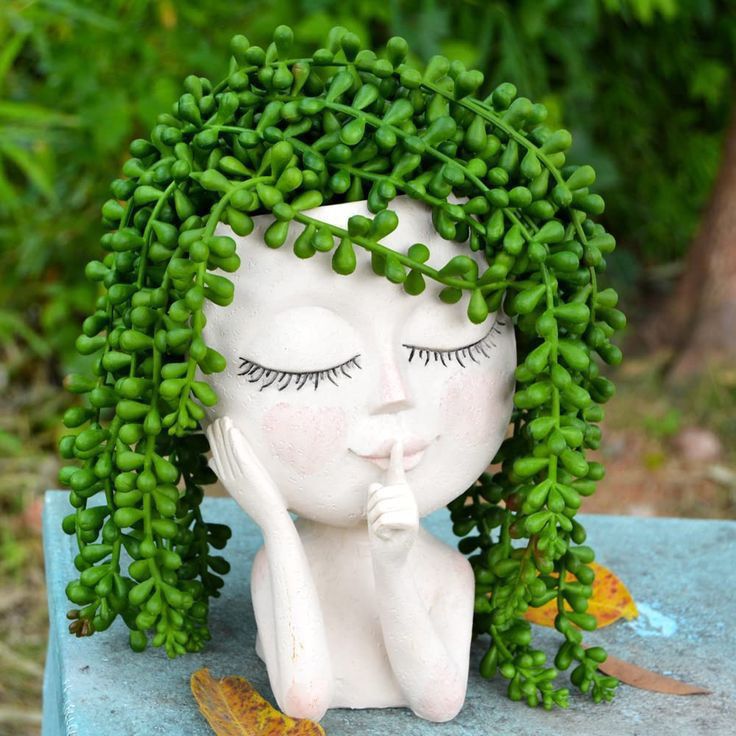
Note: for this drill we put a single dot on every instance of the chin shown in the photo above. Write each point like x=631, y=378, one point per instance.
x=345, y=519
x=332, y=499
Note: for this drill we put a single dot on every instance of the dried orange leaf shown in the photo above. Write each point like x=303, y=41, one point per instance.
x=610, y=601
x=639, y=677
x=233, y=707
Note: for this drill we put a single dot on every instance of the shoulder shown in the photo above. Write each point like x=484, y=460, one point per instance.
x=451, y=566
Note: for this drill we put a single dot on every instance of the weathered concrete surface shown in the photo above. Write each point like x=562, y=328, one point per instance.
x=682, y=574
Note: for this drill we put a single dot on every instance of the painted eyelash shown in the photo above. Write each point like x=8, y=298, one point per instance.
x=255, y=372
x=466, y=351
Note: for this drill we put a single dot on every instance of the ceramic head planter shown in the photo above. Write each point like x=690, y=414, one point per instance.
x=361, y=408
x=338, y=266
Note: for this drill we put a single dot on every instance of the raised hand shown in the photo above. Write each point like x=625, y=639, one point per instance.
x=293, y=636
x=391, y=510
x=242, y=473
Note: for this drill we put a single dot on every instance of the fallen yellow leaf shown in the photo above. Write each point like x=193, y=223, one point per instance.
x=233, y=707
x=610, y=601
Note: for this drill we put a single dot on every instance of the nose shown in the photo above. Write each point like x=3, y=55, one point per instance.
x=392, y=392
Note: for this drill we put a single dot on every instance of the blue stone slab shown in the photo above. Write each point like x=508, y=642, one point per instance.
x=681, y=572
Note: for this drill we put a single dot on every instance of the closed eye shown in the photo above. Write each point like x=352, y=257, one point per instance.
x=255, y=372
x=468, y=351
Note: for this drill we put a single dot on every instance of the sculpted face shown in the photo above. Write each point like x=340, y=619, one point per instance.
x=326, y=371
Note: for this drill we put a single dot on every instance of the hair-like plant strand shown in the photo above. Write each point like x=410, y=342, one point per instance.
x=284, y=135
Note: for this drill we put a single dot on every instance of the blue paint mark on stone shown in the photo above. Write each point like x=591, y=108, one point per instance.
x=97, y=686
x=652, y=622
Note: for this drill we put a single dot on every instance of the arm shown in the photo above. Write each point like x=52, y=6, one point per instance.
x=290, y=617
x=429, y=657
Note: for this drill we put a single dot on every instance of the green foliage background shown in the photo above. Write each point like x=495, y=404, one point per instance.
x=643, y=85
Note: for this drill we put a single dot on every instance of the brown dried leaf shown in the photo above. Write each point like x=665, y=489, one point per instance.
x=636, y=676
x=233, y=707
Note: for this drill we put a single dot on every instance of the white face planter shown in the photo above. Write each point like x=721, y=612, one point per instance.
x=360, y=408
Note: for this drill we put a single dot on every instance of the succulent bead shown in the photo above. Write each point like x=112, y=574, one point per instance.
x=278, y=136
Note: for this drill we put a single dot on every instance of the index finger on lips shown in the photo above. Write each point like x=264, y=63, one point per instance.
x=395, y=471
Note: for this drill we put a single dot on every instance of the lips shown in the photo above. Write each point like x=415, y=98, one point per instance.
x=410, y=461
x=413, y=453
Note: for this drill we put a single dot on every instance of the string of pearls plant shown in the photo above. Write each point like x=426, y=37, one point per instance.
x=283, y=135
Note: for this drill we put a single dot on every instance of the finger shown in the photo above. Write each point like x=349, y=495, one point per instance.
x=392, y=503
x=216, y=445
x=223, y=455
x=245, y=459
x=372, y=489
x=389, y=505
x=384, y=507
x=395, y=471
x=393, y=522
x=231, y=442
x=210, y=432
x=397, y=520
x=213, y=466
x=227, y=443
x=387, y=492
x=241, y=449
x=210, y=438
x=243, y=455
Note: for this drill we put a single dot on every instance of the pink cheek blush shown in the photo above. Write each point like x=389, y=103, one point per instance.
x=305, y=439
x=470, y=406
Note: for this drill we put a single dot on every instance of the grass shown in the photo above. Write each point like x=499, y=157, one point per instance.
x=23, y=615
x=29, y=410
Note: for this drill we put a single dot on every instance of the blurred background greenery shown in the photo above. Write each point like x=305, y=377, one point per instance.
x=645, y=86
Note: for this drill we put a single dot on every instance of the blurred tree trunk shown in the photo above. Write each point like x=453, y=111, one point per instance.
x=699, y=320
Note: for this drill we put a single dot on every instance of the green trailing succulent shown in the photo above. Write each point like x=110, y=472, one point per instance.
x=283, y=135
